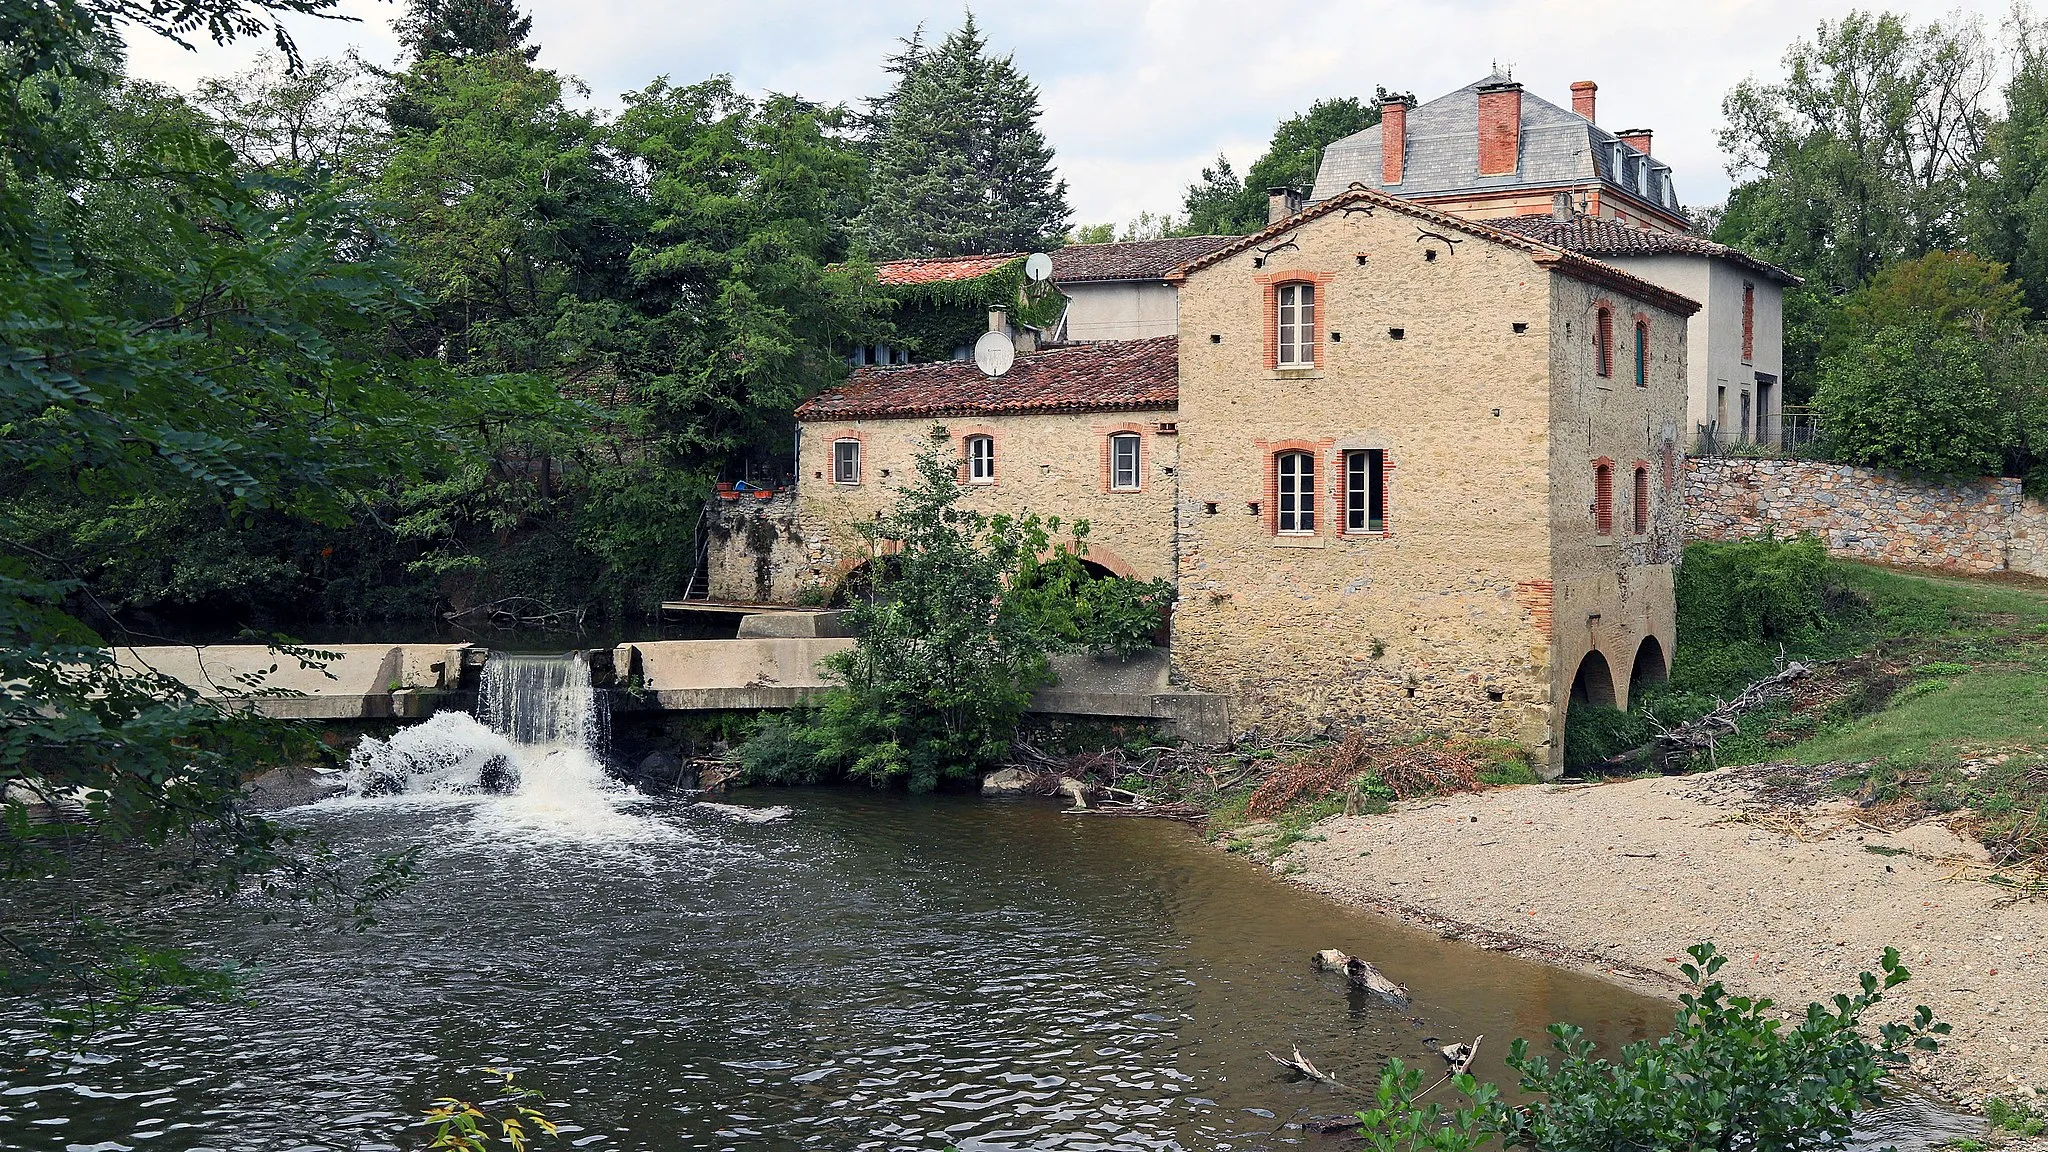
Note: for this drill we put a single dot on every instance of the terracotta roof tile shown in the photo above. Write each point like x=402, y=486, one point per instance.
x=1110, y=376
x=929, y=271
x=1598, y=236
x=1548, y=256
x=1130, y=259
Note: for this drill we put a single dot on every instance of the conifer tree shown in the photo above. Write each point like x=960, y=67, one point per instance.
x=960, y=165
x=465, y=28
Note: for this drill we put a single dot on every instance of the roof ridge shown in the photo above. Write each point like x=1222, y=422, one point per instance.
x=1565, y=259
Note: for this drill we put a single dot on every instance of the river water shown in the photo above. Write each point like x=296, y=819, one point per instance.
x=801, y=969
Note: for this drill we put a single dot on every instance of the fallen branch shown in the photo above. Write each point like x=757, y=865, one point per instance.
x=1302, y=1065
x=1700, y=736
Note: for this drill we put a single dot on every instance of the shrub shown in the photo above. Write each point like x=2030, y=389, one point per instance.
x=784, y=748
x=1731, y=1074
x=1769, y=591
x=1913, y=397
x=1594, y=732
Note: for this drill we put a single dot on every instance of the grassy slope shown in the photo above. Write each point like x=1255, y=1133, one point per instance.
x=1955, y=665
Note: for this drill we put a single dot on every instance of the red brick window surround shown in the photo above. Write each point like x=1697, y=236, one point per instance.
x=1642, y=351
x=1641, y=508
x=1603, y=341
x=980, y=456
x=1361, y=491
x=1748, y=322
x=1603, y=497
x=1294, y=493
x=1299, y=494
x=1123, y=458
x=1296, y=304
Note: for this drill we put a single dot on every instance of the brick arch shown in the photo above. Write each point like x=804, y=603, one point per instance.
x=1117, y=566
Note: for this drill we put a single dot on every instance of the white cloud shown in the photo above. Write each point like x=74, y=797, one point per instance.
x=1138, y=96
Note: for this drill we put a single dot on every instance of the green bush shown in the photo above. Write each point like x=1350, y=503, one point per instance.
x=1594, y=732
x=1915, y=398
x=1766, y=591
x=1730, y=1075
x=784, y=748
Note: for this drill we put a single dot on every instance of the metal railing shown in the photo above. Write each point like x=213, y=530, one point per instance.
x=1794, y=432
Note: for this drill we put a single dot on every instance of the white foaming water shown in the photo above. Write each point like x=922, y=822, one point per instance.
x=532, y=772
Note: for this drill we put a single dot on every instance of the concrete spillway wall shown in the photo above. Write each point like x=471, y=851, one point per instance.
x=411, y=681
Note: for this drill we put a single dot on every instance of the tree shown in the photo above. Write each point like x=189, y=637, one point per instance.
x=462, y=28
x=1220, y=204
x=962, y=613
x=1914, y=397
x=308, y=123
x=1956, y=291
x=2009, y=202
x=1863, y=152
x=170, y=329
x=961, y=166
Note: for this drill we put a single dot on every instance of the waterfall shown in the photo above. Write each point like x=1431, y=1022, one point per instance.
x=544, y=701
x=528, y=761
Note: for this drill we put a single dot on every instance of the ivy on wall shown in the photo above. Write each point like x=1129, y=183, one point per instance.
x=931, y=320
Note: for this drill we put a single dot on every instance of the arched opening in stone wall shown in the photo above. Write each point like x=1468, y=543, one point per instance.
x=1651, y=667
x=858, y=585
x=1594, y=681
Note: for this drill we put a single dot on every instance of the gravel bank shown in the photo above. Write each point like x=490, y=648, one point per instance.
x=1619, y=879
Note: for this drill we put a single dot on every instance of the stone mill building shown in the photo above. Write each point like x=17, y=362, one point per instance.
x=1411, y=461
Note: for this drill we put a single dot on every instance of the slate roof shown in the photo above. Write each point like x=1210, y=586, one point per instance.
x=1109, y=376
x=1130, y=259
x=938, y=268
x=1547, y=256
x=1441, y=156
x=1598, y=236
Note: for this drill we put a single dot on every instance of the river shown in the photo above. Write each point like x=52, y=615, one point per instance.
x=865, y=970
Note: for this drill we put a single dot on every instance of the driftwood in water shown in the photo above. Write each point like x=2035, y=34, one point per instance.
x=1361, y=974
x=1302, y=1065
x=1460, y=1056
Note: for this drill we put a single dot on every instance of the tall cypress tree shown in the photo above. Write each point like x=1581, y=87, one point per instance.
x=465, y=28
x=960, y=165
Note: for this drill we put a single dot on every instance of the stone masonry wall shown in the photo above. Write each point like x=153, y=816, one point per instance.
x=1978, y=526
x=756, y=554
x=1437, y=622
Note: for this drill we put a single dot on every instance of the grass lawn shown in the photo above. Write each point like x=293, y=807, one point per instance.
x=1939, y=719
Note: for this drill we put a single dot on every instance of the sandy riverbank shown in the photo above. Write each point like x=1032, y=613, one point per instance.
x=1619, y=879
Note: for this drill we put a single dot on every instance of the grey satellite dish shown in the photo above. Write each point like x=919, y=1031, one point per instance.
x=1038, y=267
x=994, y=353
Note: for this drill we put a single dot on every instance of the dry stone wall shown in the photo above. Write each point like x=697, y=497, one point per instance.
x=1984, y=525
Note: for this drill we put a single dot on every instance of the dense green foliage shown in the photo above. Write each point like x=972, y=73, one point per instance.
x=1912, y=397
x=959, y=165
x=1730, y=1075
x=1221, y=204
x=959, y=617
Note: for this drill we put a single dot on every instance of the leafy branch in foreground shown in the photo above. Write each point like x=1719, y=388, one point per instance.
x=463, y=1126
x=1731, y=1075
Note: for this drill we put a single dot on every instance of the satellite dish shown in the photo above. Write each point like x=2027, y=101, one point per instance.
x=994, y=353
x=1038, y=267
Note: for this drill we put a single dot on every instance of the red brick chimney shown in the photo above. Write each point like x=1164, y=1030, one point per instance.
x=1393, y=140
x=1500, y=127
x=1636, y=138
x=1583, y=92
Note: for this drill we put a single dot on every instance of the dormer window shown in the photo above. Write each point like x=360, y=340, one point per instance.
x=1296, y=347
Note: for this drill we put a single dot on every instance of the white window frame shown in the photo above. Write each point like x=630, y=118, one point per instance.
x=841, y=458
x=981, y=459
x=1364, y=479
x=1126, y=462
x=1294, y=493
x=1295, y=332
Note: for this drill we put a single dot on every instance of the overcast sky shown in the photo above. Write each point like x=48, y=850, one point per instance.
x=1139, y=96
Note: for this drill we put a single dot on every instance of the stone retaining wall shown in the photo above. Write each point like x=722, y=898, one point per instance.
x=1977, y=526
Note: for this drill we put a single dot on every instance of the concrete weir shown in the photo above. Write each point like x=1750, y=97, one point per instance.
x=774, y=663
